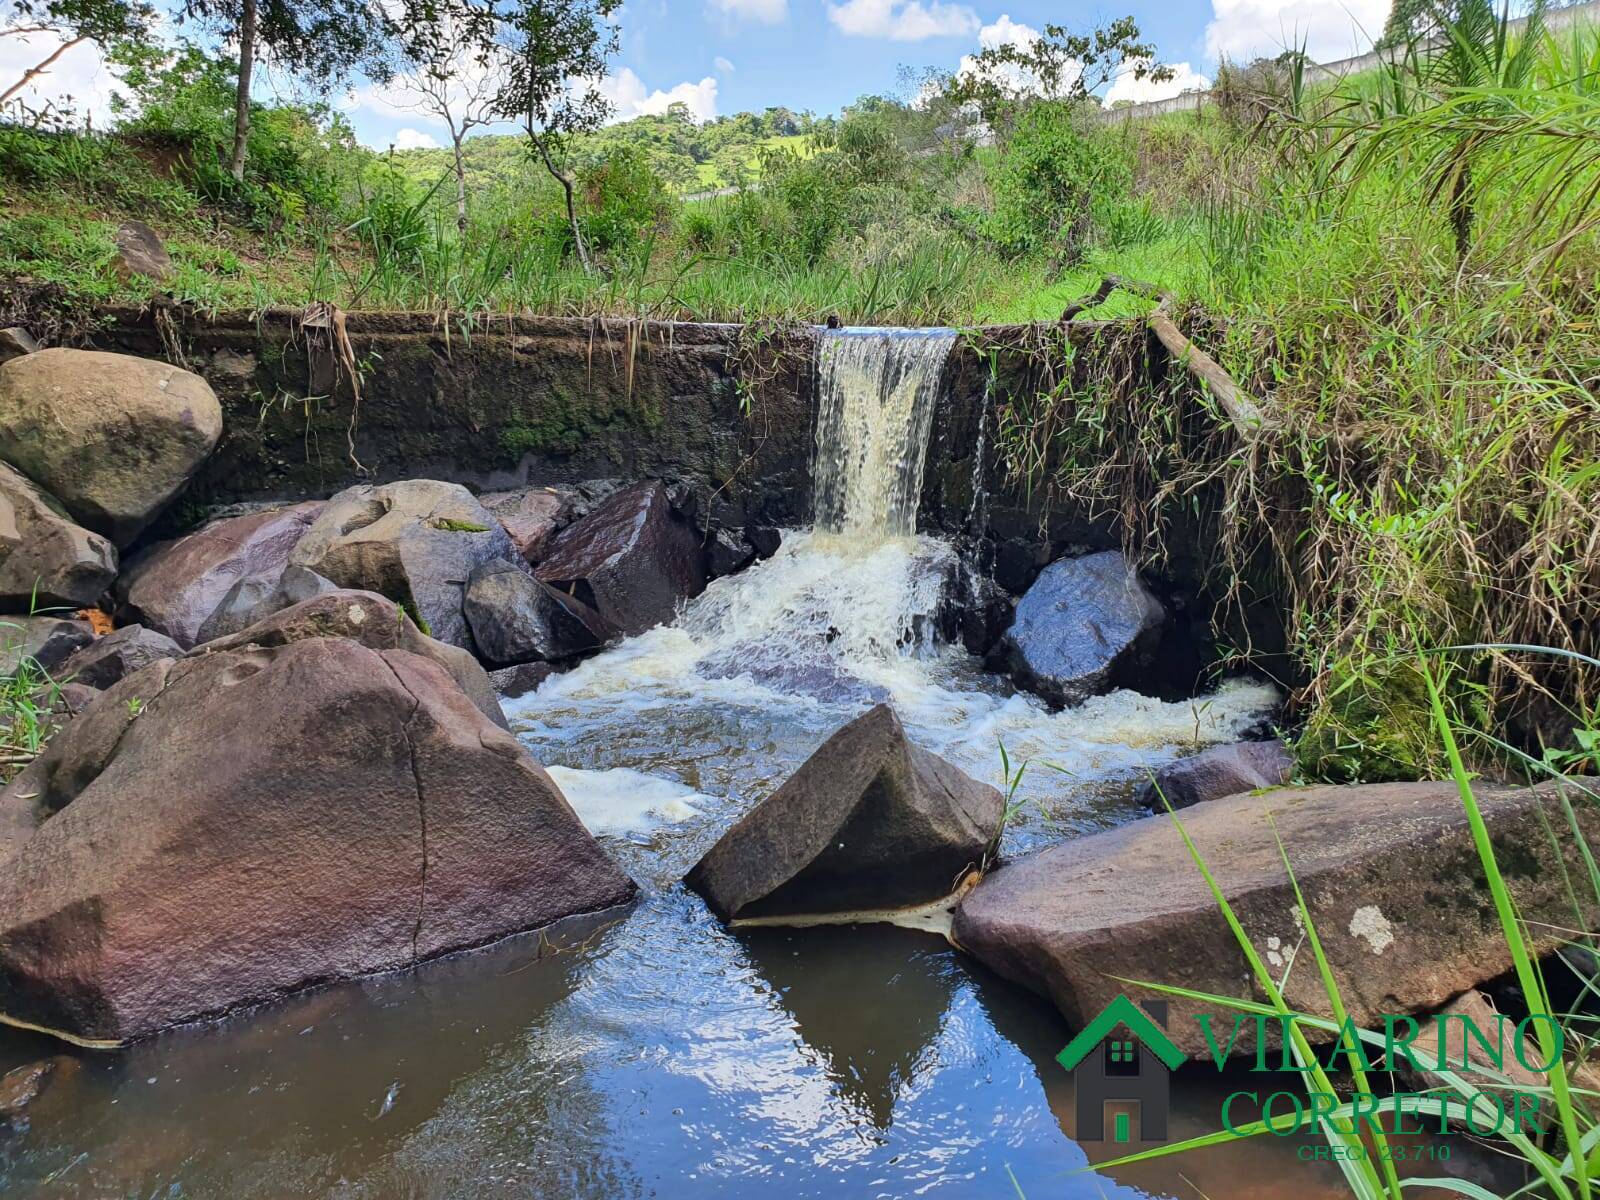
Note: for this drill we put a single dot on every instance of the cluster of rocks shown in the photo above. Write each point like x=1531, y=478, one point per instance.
x=280, y=758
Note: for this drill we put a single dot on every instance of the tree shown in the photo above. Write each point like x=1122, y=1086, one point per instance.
x=107, y=23
x=459, y=83
x=1057, y=65
x=557, y=52
x=327, y=39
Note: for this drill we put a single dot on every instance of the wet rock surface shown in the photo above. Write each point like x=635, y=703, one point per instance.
x=1085, y=624
x=377, y=816
x=1217, y=772
x=110, y=436
x=107, y=660
x=45, y=558
x=516, y=618
x=533, y=516
x=869, y=821
x=1389, y=873
x=175, y=587
x=632, y=559
x=416, y=542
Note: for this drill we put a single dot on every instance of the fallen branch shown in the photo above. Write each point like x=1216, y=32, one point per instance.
x=1242, y=409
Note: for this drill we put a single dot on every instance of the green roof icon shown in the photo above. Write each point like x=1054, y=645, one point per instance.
x=1121, y=1011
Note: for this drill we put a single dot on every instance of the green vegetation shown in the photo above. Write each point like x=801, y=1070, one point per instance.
x=1401, y=267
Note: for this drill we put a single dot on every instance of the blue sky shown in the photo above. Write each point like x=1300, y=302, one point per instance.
x=726, y=56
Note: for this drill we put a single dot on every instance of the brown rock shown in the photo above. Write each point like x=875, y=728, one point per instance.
x=516, y=618
x=631, y=560
x=378, y=624
x=46, y=560
x=416, y=542
x=140, y=252
x=15, y=342
x=1389, y=874
x=47, y=641
x=282, y=818
x=174, y=587
x=869, y=821
x=106, y=660
x=1217, y=772
x=531, y=517
x=112, y=437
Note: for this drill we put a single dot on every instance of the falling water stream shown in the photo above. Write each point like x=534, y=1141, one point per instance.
x=660, y=1053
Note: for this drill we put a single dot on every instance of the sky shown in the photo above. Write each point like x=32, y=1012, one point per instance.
x=727, y=56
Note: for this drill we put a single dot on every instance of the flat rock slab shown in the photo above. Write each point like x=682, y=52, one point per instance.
x=270, y=819
x=1389, y=873
x=868, y=822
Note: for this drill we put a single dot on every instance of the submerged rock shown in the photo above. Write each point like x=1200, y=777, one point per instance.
x=1217, y=772
x=1389, y=873
x=281, y=817
x=1083, y=625
x=175, y=587
x=106, y=660
x=19, y=1088
x=111, y=436
x=378, y=624
x=868, y=822
x=416, y=542
x=631, y=560
x=45, y=559
x=516, y=618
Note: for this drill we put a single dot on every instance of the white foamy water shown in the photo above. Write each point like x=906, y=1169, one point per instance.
x=758, y=670
x=621, y=800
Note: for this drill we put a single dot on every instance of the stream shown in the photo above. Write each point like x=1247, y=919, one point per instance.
x=656, y=1052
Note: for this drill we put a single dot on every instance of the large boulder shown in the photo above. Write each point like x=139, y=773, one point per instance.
x=47, y=641
x=174, y=587
x=416, y=542
x=106, y=660
x=1085, y=625
x=1217, y=772
x=111, y=436
x=282, y=818
x=1389, y=873
x=46, y=560
x=532, y=516
x=631, y=560
x=378, y=624
x=516, y=618
x=256, y=597
x=868, y=822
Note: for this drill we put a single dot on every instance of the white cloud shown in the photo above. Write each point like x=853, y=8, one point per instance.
x=768, y=12
x=722, y=65
x=1241, y=30
x=903, y=20
x=1184, y=79
x=79, y=79
x=1004, y=32
x=629, y=98
x=415, y=139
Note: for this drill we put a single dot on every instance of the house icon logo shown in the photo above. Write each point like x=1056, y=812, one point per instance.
x=1121, y=1064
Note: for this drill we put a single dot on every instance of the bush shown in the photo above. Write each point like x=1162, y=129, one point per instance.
x=623, y=200
x=1056, y=186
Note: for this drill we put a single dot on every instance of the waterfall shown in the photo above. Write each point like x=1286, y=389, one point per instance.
x=876, y=393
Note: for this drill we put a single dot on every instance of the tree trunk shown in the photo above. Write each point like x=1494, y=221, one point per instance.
x=461, y=183
x=1461, y=209
x=572, y=207
x=241, y=102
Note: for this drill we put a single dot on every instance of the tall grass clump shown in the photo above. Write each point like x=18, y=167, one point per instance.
x=1428, y=472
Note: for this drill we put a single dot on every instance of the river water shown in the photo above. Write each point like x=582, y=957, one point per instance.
x=656, y=1052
